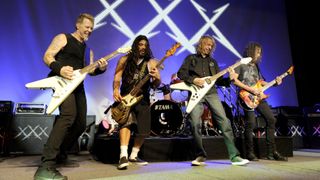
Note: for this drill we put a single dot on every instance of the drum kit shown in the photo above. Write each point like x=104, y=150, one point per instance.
x=169, y=117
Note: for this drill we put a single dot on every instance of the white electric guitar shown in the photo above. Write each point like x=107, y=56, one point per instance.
x=197, y=92
x=64, y=87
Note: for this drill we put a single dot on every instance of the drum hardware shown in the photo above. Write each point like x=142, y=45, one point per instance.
x=232, y=108
x=166, y=118
x=108, y=126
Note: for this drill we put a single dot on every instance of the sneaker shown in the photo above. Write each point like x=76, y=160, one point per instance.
x=238, y=161
x=138, y=161
x=123, y=163
x=44, y=173
x=277, y=157
x=199, y=161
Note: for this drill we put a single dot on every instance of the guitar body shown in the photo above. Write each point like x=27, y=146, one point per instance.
x=62, y=87
x=197, y=93
x=120, y=110
x=250, y=100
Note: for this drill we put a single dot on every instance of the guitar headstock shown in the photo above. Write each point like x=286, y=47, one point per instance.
x=245, y=60
x=123, y=50
x=290, y=70
x=173, y=49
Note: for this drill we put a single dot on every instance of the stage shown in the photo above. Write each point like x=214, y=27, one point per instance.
x=168, y=149
x=305, y=164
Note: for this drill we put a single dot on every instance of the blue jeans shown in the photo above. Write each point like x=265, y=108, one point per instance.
x=214, y=104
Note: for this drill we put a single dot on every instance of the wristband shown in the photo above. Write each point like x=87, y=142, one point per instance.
x=56, y=67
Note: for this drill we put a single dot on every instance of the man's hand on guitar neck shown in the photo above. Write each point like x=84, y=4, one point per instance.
x=102, y=64
x=278, y=81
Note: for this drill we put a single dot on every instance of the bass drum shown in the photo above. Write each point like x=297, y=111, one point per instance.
x=166, y=118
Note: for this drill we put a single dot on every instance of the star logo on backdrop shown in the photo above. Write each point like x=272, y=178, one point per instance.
x=163, y=15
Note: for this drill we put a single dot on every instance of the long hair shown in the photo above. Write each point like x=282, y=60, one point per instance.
x=249, y=50
x=199, y=46
x=135, y=50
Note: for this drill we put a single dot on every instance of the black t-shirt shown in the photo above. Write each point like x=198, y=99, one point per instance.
x=195, y=66
x=249, y=74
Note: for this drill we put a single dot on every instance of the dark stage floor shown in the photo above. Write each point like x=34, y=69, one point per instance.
x=305, y=164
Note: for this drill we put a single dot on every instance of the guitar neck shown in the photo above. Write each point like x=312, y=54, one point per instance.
x=221, y=73
x=88, y=68
x=138, y=87
x=273, y=82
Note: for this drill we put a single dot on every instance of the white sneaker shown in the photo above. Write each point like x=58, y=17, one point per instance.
x=199, y=161
x=238, y=161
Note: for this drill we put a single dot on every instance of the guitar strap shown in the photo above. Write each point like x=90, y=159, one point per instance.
x=142, y=71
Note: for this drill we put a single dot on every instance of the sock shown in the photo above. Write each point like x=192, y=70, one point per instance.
x=134, y=153
x=124, y=151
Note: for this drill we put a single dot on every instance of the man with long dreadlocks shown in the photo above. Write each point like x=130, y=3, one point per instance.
x=248, y=76
x=131, y=69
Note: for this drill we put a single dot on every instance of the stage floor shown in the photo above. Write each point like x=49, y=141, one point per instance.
x=305, y=164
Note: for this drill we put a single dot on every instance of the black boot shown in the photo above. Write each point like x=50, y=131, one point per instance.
x=62, y=160
x=276, y=156
x=252, y=157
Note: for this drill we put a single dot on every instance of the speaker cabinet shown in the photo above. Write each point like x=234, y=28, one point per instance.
x=312, y=118
x=6, y=116
x=290, y=123
x=29, y=133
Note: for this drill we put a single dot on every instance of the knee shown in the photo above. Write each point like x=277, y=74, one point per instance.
x=272, y=122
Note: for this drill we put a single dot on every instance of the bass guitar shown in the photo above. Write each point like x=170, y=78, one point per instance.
x=121, y=110
x=64, y=87
x=251, y=101
x=197, y=92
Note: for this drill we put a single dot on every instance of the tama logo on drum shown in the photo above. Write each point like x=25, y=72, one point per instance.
x=163, y=107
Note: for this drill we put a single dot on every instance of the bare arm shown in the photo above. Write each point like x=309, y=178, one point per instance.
x=102, y=65
x=154, y=72
x=56, y=45
x=117, y=78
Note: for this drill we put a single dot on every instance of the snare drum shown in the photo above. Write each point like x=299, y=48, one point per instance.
x=166, y=118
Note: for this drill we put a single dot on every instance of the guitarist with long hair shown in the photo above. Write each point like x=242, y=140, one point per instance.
x=131, y=69
x=194, y=68
x=249, y=75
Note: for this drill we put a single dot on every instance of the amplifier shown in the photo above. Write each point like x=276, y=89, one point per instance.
x=312, y=111
x=30, y=108
x=6, y=107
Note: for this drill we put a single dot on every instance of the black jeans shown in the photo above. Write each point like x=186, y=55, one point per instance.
x=67, y=128
x=270, y=120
